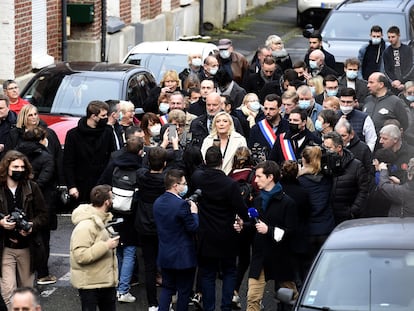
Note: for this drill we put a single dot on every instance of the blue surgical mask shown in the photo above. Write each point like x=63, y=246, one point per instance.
x=121, y=115
x=304, y=104
x=224, y=54
x=255, y=106
x=376, y=41
x=196, y=62
x=313, y=64
x=318, y=126
x=410, y=98
x=313, y=90
x=351, y=74
x=164, y=107
x=213, y=71
x=184, y=192
x=332, y=92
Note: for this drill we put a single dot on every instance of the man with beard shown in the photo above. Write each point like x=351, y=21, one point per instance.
x=289, y=146
x=264, y=132
x=88, y=148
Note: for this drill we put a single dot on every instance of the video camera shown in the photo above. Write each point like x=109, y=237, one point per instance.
x=19, y=217
x=259, y=153
x=195, y=196
x=330, y=163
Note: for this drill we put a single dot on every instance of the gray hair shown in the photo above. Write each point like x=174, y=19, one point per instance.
x=344, y=123
x=391, y=130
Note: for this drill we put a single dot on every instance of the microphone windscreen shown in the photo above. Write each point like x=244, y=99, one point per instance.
x=252, y=212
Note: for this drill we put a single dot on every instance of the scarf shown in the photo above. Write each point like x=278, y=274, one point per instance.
x=267, y=195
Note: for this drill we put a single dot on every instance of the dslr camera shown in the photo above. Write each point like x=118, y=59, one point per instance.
x=195, y=196
x=19, y=217
x=259, y=153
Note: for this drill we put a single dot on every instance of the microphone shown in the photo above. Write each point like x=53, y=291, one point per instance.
x=253, y=214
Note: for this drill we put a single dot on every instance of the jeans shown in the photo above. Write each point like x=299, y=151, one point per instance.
x=104, y=298
x=126, y=262
x=176, y=281
x=209, y=268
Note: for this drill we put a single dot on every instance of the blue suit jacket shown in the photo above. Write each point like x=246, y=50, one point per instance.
x=176, y=226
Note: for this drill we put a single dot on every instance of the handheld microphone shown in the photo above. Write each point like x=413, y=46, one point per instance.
x=253, y=214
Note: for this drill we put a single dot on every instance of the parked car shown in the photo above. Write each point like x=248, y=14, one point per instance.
x=365, y=264
x=313, y=10
x=61, y=92
x=160, y=56
x=347, y=27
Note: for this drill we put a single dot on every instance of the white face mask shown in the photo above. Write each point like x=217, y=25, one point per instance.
x=376, y=41
x=213, y=71
x=164, y=107
x=155, y=129
x=313, y=64
x=196, y=62
x=346, y=109
x=255, y=106
x=224, y=54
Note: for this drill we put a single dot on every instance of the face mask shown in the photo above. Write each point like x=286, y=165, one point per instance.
x=332, y=92
x=164, y=107
x=376, y=41
x=155, y=129
x=255, y=106
x=102, y=122
x=17, y=175
x=184, y=192
x=280, y=53
x=294, y=128
x=196, y=62
x=410, y=98
x=351, y=74
x=318, y=126
x=313, y=90
x=224, y=54
x=313, y=64
x=121, y=115
x=304, y=104
x=213, y=71
x=346, y=109
x=301, y=78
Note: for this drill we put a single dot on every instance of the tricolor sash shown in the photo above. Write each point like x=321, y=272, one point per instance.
x=267, y=132
x=286, y=147
x=164, y=119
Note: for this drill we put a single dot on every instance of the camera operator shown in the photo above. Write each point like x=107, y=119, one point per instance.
x=23, y=204
x=177, y=221
x=350, y=181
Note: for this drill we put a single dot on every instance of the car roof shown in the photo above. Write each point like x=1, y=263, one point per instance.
x=173, y=47
x=374, y=5
x=373, y=233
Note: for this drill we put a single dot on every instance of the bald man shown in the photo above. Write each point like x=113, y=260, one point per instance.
x=318, y=66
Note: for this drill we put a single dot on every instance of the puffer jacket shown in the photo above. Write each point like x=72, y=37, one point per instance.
x=92, y=263
x=350, y=189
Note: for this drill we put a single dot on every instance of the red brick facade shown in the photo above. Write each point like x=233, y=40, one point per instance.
x=150, y=9
x=88, y=31
x=23, y=36
x=54, y=29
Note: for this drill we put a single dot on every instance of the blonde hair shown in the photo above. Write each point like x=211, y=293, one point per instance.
x=170, y=75
x=317, y=83
x=177, y=115
x=273, y=39
x=24, y=115
x=313, y=155
x=248, y=96
x=125, y=106
x=214, y=129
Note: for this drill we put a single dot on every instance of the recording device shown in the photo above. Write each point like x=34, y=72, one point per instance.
x=110, y=224
x=172, y=131
x=19, y=217
x=195, y=196
x=330, y=162
x=63, y=194
x=253, y=214
x=216, y=142
x=259, y=153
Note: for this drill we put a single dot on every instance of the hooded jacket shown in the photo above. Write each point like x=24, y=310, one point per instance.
x=92, y=263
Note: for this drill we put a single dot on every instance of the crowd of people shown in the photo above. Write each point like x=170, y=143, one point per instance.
x=235, y=167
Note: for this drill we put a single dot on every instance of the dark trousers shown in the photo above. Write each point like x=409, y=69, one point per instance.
x=209, y=268
x=42, y=268
x=103, y=298
x=176, y=281
x=150, y=253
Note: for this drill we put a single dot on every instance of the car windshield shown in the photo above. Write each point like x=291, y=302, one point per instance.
x=357, y=26
x=362, y=280
x=76, y=92
x=159, y=63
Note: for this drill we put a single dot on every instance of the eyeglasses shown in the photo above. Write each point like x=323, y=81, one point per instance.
x=12, y=88
x=182, y=184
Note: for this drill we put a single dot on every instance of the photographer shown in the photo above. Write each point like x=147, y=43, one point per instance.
x=23, y=205
x=177, y=221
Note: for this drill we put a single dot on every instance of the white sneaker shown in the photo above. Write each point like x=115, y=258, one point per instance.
x=126, y=298
x=153, y=308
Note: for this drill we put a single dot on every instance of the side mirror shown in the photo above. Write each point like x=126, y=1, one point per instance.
x=285, y=295
x=308, y=30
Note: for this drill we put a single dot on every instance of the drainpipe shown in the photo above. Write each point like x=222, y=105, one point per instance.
x=201, y=18
x=64, y=31
x=103, y=31
x=225, y=14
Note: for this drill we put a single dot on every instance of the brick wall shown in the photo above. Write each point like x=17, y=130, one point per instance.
x=175, y=4
x=23, y=34
x=150, y=9
x=54, y=29
x=125, y=11
x=88, y=31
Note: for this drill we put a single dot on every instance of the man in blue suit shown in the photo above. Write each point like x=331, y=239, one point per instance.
x=177, y=221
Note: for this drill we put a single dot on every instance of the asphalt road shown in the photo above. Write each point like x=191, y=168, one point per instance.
x=61, y=296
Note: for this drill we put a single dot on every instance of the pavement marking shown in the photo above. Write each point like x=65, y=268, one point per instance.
x=59, y=255
x=47, y=293
x=65, y=277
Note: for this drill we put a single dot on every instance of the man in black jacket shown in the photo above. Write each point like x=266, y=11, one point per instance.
x=220, y=205
x=8, y=120
x=350, y=183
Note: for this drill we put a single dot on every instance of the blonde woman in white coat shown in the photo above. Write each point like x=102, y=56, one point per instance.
x=224, y=135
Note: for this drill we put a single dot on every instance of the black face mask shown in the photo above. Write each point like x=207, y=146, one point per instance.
x=294, y=128
x=301, y=78
x=17, y=175
x=102, y=122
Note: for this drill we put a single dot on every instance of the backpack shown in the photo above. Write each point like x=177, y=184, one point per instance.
x=246, y=189
x=124, y=187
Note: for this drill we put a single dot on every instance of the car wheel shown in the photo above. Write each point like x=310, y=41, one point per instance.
x=300, y=19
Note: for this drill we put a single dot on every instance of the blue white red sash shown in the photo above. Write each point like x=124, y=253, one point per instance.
x=286, y=147
x=267, y=132
x=164, y=119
